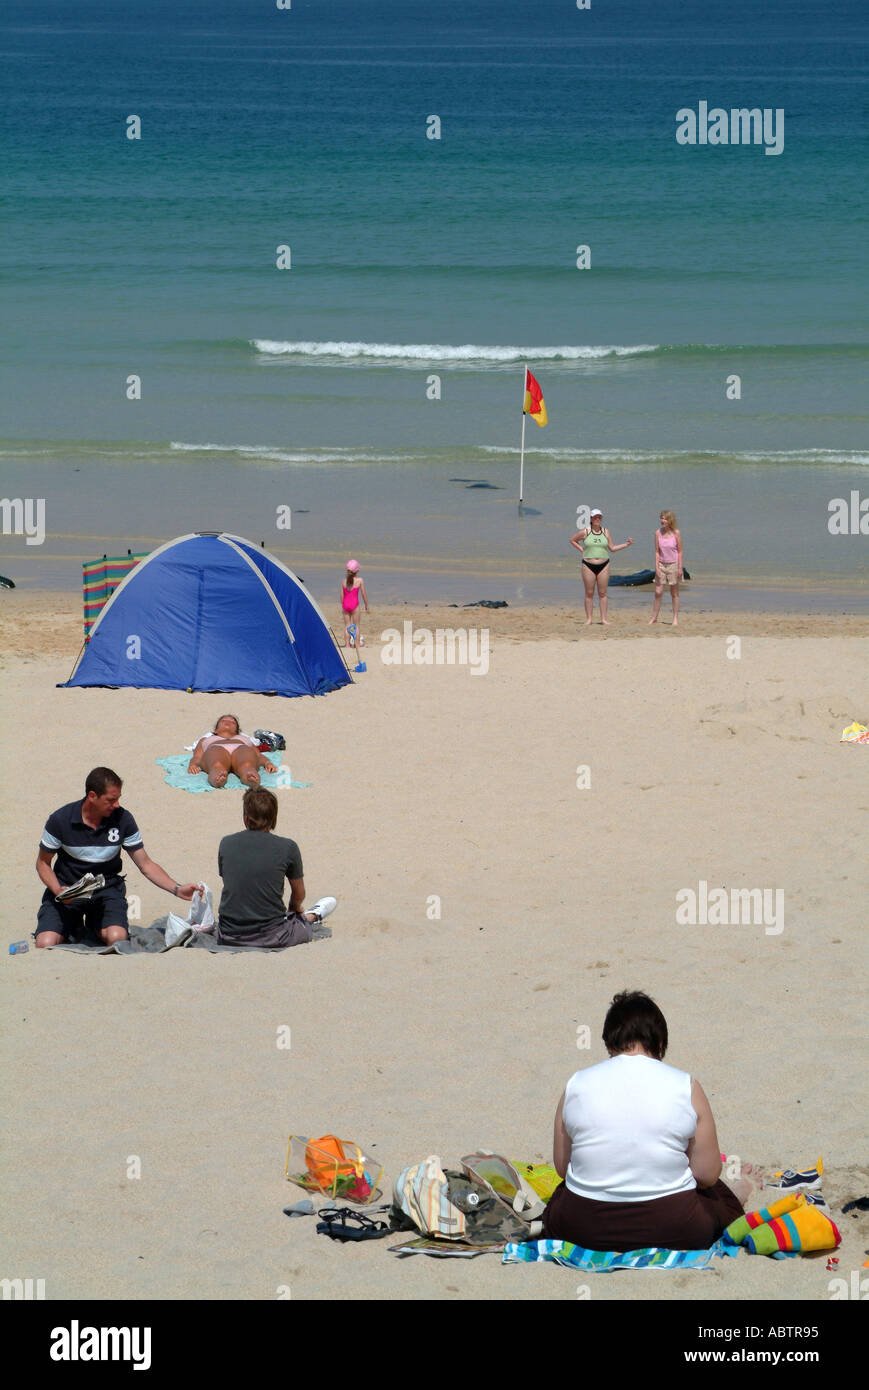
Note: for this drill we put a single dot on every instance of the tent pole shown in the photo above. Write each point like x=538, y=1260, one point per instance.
x=77, y=660
x=341, y=651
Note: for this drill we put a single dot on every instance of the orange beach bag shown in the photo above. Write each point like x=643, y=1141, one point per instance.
x=326, y=1161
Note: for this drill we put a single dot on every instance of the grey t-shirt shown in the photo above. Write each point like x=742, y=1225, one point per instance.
x=254, y=865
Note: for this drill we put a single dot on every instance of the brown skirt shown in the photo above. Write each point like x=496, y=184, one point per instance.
x=292, y=930
x=685, y=1221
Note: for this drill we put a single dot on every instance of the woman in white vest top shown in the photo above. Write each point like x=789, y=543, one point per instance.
x=636, y=1147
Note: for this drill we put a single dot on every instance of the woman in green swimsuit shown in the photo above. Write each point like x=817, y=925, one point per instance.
x=595, y=545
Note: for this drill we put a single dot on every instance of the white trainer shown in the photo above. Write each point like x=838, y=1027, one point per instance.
x=323, y=907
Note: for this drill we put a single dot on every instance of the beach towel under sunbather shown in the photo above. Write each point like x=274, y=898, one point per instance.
x=176, y=774
x=601, y=1261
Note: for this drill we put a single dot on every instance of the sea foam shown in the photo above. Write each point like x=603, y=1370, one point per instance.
x=441, y=352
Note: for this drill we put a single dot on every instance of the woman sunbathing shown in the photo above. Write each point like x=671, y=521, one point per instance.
x=636, y=1145
x=229, y=750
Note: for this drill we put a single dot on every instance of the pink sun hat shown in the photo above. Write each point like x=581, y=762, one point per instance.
x=353, y=566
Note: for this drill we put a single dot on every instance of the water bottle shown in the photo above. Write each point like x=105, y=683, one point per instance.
x=18, y=948
x=465, y=1198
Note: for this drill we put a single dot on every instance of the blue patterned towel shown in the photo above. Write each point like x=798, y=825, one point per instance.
x=178, y=776
x=577, y=1257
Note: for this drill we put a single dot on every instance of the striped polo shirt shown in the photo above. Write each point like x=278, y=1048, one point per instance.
x=82, y=850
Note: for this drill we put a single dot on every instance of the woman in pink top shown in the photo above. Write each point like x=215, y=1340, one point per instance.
x=229, y=750
x=668, y=564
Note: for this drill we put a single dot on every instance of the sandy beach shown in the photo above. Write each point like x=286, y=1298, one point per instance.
x=415, y=1034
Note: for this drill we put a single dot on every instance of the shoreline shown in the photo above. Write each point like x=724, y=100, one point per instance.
x=399, y=581
x=38, y=622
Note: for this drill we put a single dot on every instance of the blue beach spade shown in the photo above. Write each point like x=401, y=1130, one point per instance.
x=360, y=666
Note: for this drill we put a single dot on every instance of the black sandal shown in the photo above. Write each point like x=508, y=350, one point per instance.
x=334, y=1222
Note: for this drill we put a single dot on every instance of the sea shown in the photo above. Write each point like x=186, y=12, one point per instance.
x=279, y=270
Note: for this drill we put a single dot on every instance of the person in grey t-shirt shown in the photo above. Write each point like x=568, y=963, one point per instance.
x=254, y=864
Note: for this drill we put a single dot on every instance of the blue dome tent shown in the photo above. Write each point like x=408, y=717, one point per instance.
x=211, y=612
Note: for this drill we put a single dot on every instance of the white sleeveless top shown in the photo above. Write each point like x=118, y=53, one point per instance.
x=629, y=1121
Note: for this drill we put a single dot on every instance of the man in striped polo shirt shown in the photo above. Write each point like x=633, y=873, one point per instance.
x=86, y=837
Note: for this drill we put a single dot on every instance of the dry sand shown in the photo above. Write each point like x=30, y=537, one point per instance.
x=415, y=1035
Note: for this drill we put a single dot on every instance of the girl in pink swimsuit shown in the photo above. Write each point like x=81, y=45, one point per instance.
x=352, y=588
x=668, y=564
x=229, y=750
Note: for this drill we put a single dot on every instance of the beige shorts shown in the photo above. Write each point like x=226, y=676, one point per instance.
x=668, y=571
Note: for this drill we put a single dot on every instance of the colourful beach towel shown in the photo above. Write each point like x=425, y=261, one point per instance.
x=176, y=774
x=855, y=733
x=788, y=1227
x=561, y=1252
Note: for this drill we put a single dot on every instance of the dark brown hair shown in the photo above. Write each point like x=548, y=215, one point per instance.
x=99, y=779
x=633, y=1018
x=227, y=716
x=259, y=807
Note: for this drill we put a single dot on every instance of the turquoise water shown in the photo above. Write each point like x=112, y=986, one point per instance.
x=413, y=259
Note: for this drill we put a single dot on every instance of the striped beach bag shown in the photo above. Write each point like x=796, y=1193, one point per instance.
x=453, y=1205
x=421, y=1194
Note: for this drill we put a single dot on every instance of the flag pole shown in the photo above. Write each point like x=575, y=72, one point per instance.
x=522, y=446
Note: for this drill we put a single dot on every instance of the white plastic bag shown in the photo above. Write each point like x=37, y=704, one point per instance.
x=176, y=929
x=201, y=914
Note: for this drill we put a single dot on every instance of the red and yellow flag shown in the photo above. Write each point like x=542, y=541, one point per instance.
x=535, y=405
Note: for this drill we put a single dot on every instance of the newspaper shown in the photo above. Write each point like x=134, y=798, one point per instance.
x=82, y=890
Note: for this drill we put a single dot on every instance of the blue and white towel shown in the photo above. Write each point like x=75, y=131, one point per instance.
x=176, y=775
x=577, y=1257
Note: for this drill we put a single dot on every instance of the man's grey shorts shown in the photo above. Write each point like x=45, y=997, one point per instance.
x=292, y=930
